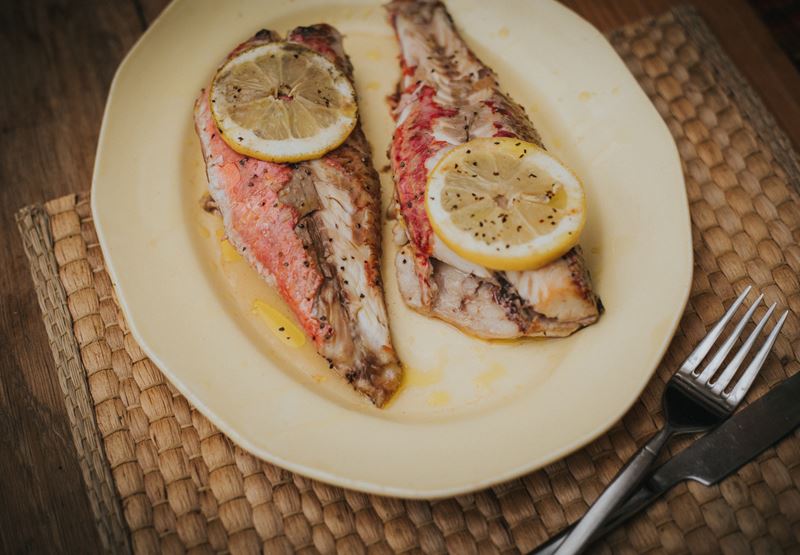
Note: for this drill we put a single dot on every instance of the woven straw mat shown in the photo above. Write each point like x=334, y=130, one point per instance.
x=160, y=477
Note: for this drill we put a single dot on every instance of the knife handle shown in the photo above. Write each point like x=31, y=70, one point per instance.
x=636, y=503
x=615, y=493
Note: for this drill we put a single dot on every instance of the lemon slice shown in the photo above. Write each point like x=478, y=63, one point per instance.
x=505, y=204
x=282, y=102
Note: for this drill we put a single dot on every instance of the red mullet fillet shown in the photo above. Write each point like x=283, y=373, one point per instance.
x=312, y=230
x=447, y=97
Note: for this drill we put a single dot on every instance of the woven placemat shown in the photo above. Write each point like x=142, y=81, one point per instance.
x=160, y=477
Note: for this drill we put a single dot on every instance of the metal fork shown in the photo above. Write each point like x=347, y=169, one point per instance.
x=692, y=403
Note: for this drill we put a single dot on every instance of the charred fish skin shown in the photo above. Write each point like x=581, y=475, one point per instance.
x=446, y=97
x=312, y=230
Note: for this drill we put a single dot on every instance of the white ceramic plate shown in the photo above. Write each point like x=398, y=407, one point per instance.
x=471, y=413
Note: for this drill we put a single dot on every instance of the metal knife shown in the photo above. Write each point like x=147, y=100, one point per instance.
x=713, y=457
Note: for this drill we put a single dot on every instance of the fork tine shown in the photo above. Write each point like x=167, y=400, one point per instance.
x=743, y=385
x=696, y=357
x=730, y=370
x=719, y=357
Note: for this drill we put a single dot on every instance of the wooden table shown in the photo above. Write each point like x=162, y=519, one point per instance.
x=57, y=63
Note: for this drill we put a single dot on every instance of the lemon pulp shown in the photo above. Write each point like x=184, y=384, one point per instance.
x=282, y=102
x=505, y=204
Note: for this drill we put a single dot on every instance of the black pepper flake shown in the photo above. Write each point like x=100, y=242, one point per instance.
x=408, y=204
x=281, y=328
x=361, y=296
x=469, y=151
x=495, y=174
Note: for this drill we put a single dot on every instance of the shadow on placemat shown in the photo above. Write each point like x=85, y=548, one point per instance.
x=161, y=477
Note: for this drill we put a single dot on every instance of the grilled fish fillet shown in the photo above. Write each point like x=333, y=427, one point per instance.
x=447, y=97
x=312, y=230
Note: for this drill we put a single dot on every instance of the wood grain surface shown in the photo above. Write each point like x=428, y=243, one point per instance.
x=58, y=59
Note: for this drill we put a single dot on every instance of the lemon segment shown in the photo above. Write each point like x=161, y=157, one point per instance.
x=505, y=204
x=282, y=102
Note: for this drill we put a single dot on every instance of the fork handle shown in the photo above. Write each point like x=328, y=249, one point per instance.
x=615, y=494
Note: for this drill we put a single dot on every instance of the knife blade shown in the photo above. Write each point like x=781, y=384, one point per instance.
x=713, y=457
